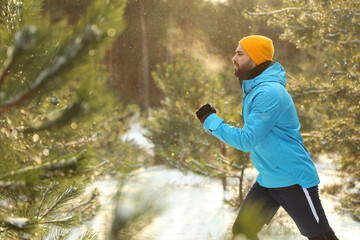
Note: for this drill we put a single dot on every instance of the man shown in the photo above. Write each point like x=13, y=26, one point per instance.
x=287, y=175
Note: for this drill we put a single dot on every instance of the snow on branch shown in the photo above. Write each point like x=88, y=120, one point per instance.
x=214, y=167
x=275, y=11
x=308, y=92
x=196, y=163
x=16, y=222
x=12, y=185
x=222, y=160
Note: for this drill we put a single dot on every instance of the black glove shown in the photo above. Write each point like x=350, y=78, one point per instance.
x=203, y=112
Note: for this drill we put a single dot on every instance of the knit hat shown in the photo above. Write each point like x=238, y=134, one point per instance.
x=259, y=48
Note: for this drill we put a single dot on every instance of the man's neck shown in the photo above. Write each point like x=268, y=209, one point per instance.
x=256, y=71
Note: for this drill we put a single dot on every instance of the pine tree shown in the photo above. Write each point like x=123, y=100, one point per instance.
x=60, y=124
x=178, y=137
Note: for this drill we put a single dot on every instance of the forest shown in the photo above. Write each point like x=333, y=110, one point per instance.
x=77, y=75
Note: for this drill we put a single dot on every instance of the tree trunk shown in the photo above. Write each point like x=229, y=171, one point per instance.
x=241, y=180
x=144, y=81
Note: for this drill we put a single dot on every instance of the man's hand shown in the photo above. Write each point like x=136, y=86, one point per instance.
x=203, y=112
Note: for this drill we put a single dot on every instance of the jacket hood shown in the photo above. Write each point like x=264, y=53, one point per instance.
x=274, y=73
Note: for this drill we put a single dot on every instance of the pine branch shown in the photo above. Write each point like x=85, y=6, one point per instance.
x=68, y=113
x=106, y=161
x=308, y=92
x=10, y=13
x=238, y=167
x=72, y=162
x=48, y=190
x=89, y=235
x=196, y=163
x=23, y=41
x=275, y=11
x=201, y=172
x=68, y=193
x=83, y=140
x=12, y=185
x=117, y=118
x=2, y=9
x=58, y=234
x=222, y=160
x=61, y=220
x=91, y=34
x=93, y=137
x=49, y=166
x=292, y=78
x=93, y=196
x=214, y=167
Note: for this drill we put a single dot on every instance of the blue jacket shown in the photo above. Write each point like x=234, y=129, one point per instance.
x=271, y=132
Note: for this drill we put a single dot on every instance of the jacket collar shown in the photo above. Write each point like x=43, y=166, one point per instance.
x=256, y=71
x=253, y=78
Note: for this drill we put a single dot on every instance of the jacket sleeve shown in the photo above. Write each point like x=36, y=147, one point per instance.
x=266, y=109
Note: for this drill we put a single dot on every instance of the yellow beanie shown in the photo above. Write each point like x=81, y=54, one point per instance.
x=259, y=48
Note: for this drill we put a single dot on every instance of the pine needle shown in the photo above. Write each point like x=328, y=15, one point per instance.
x=66, y=195
x=88, y=235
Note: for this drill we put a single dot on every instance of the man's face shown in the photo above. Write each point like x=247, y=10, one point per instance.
x=242, y=63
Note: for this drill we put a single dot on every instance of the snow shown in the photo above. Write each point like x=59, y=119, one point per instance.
x=136, y=134
x=17, y=222
x=193, y=208
x=100, y=223
x=185, y=212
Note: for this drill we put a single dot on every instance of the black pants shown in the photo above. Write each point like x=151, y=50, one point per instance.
x=303, y=205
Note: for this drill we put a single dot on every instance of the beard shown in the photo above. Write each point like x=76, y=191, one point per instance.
x=242, y=71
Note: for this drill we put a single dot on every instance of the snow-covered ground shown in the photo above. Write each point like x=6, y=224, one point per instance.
x=136, y=134
x=193, y=207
